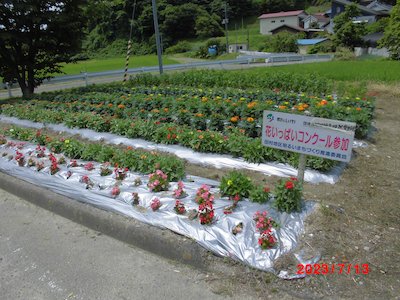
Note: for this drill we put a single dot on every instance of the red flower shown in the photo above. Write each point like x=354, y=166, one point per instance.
x=289, y=185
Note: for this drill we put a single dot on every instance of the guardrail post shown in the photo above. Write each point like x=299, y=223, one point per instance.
x=9, y=89
x=86, y=79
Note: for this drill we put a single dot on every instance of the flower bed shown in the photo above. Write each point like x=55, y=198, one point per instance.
x=202, y=120
x=225, y=234
x=212, y=109
x=134, y=159
x=193, y=157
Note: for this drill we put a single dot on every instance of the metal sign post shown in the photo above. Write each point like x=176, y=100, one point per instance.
x=302, y=167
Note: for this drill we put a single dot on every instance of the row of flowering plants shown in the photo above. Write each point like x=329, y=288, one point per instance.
x=136, y=160
x=158, y=181
x=207, y=109
x=233, y=141
x=234, y=185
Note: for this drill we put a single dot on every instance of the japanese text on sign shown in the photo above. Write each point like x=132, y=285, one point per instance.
x=308, y=135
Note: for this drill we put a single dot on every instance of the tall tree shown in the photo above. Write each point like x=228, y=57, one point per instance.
x=391, y=38
x=35, y=37
x=347, y=32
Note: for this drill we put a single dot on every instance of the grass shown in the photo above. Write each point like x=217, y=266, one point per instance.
x=250, y=31
x=358, y=70
x=117, y=63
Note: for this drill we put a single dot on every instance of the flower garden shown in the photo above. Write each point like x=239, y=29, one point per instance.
x=153, y=186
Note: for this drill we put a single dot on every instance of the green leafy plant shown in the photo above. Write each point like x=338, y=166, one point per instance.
x=260, y=194
x=236, y=184
x=288, y=195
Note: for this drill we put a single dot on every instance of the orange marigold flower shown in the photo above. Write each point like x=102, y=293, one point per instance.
x=121, y=106
x=358, y=108
x=250, y=119
x=251, y=105
x=300, y=108
x=282, y=106
x=323, y=102
x=166, y=109
x=110, y=105
x=234, y=119
x=199, y=115
x=201, y=136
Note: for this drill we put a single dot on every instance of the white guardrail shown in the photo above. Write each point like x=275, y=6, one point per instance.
x=246, y=57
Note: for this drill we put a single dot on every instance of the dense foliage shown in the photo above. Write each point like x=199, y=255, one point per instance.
x=263, y=80
x=35, y=37
x=391, y=39
x=348, y=33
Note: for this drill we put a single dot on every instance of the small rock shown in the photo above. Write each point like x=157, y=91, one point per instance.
x=366, y=248
x=361, y=283
x=311, y=235
x=356, y=247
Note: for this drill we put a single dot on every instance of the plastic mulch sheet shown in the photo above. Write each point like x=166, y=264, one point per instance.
x=216, y=237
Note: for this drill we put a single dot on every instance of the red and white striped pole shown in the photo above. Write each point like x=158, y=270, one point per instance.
x=128, y=53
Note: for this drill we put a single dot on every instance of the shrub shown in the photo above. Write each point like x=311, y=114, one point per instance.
x=344, y=54
x=180, y=47
x=288, y=195
x=260, y=195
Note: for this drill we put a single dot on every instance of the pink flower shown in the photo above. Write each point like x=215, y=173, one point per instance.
x=155, y=204
x=89, y=166
x=115, y=191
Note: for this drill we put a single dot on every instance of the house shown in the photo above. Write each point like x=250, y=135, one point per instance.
x=316, y=21
x=375, y=8
x=272, y=21
x=370, y=11
x=305, y=44
x=372, y=46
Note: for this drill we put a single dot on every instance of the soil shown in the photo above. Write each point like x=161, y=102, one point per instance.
x=356, y=222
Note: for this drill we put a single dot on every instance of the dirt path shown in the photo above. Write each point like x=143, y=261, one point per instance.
x=357, y=222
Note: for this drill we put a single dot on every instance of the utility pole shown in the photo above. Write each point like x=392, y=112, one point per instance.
x=225, y=21
x=157, y=32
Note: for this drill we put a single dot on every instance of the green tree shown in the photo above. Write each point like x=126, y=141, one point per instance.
x=347, y=32
x=35, y=37
x=208, y=26
x=391, y=38
x=271, y=6
x=283, y=42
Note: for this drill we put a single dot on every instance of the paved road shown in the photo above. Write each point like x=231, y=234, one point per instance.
x=44, y=256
